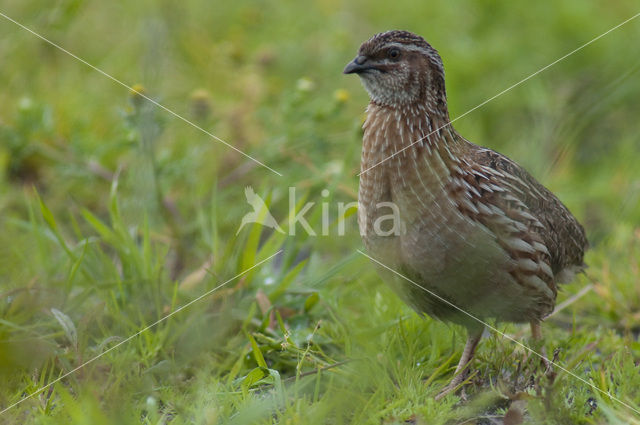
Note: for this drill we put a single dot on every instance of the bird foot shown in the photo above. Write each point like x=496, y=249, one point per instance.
x=452, y=387
x=545, y=359
x=548, y=364
x=445, y=391
x=462, y=369
x=536, y=333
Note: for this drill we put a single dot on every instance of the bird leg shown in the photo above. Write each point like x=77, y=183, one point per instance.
x=536, y=334
x=467, y=355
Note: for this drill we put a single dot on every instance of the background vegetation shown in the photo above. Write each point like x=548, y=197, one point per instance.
x=113, y=213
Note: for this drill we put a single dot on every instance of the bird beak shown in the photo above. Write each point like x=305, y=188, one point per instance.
x=357, y=66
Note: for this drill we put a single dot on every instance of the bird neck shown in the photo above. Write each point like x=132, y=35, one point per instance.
x=395, y=135
x=406, y=151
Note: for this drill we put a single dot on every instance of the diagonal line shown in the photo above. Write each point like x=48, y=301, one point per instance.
x=159, y=105
x=500, y=333
x=138, y=333
x=504, y=91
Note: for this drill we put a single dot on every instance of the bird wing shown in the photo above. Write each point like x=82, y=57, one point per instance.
x=484, y=195
x=543, y=213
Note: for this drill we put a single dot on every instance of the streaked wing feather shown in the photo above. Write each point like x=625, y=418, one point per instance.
x=563, y=236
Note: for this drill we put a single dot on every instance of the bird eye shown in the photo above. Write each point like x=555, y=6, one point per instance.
x=394, y=53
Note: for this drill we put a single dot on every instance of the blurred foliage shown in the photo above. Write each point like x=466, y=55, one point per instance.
x=114, y=213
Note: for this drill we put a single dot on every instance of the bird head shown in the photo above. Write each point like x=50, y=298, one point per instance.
x=400, y=68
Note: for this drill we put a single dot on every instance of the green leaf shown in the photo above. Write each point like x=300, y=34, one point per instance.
x=114, y=210
x=277, y=383
x=67, y=325
x=250, y=250
x=74, y=267
x=47, y=215
x=334, y=270
x=257, y=354
x=287, y=280
x=311, y=301
x=103, y=230
x=250, y=314
x=235, y=369
x=51, y=221
x=281, y=323
x=252, y=378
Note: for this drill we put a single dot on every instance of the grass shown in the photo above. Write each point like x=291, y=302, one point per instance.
x=115, y=213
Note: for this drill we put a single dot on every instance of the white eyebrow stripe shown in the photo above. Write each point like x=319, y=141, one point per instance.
x=413, y=48
x=409, y=47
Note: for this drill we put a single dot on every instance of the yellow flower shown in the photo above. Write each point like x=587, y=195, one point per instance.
x=341, y=95
x=134, y=95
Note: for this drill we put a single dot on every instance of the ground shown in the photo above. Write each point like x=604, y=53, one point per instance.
x=116, y=213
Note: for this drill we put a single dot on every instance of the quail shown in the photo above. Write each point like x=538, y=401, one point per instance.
x=467, y=226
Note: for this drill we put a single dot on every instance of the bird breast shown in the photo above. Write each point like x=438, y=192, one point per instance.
x=403, y=165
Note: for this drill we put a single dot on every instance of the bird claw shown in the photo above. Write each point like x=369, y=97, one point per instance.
x=452, y=387
x=545, y=361
x=445, y=392
x=449, y=389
